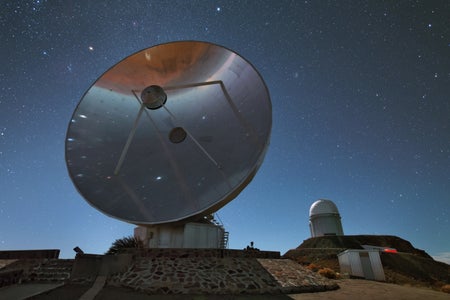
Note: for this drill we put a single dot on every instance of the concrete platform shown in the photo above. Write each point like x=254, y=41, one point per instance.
x=25, y=291
x=71, y=292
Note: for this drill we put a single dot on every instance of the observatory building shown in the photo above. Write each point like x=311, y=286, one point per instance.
x=324, y=219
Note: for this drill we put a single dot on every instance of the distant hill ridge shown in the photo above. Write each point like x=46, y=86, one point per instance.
x=356, y=242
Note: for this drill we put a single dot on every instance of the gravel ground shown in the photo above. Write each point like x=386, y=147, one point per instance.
x=349, y=289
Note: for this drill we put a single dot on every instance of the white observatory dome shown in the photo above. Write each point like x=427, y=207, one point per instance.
x=324, y=219
x=323, y=206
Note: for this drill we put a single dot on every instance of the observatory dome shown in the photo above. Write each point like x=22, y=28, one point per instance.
x=324, y=219
x=323, y=206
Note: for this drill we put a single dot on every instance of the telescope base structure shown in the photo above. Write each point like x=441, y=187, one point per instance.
x=189, y=235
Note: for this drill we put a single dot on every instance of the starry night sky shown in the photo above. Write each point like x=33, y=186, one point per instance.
x=361, y=113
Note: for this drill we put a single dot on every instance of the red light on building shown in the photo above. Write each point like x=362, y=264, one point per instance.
x=390, y=250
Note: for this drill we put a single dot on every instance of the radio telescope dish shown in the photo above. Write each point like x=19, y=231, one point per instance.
x=170, y=133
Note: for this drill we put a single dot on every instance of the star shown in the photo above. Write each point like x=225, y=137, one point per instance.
x=381, y=87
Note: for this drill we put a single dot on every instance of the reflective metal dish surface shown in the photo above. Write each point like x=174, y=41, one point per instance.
x=170, y=133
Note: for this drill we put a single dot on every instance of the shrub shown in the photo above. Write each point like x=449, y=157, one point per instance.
x=328, y=273
x=446, y=288
x=313, y=267
x=120, y=245
x=301, y=260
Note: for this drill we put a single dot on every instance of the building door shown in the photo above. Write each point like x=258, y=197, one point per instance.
x=366, y=265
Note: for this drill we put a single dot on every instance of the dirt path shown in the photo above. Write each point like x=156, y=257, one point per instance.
x=372, y=290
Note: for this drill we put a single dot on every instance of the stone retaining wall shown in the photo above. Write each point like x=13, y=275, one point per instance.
x=10, y=277
x=230, y=275
x=193, y=253
x=29, y=254
x=294, y=278
x=216, y=271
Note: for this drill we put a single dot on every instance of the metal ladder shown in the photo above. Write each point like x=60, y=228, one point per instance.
x=224, y=242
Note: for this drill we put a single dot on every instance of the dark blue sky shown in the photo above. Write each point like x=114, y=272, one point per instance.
x=361, y=113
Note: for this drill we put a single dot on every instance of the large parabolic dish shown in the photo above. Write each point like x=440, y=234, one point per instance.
x=170, y=133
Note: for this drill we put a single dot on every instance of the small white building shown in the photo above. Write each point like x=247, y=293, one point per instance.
x=324, y=219
x=362, y=263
